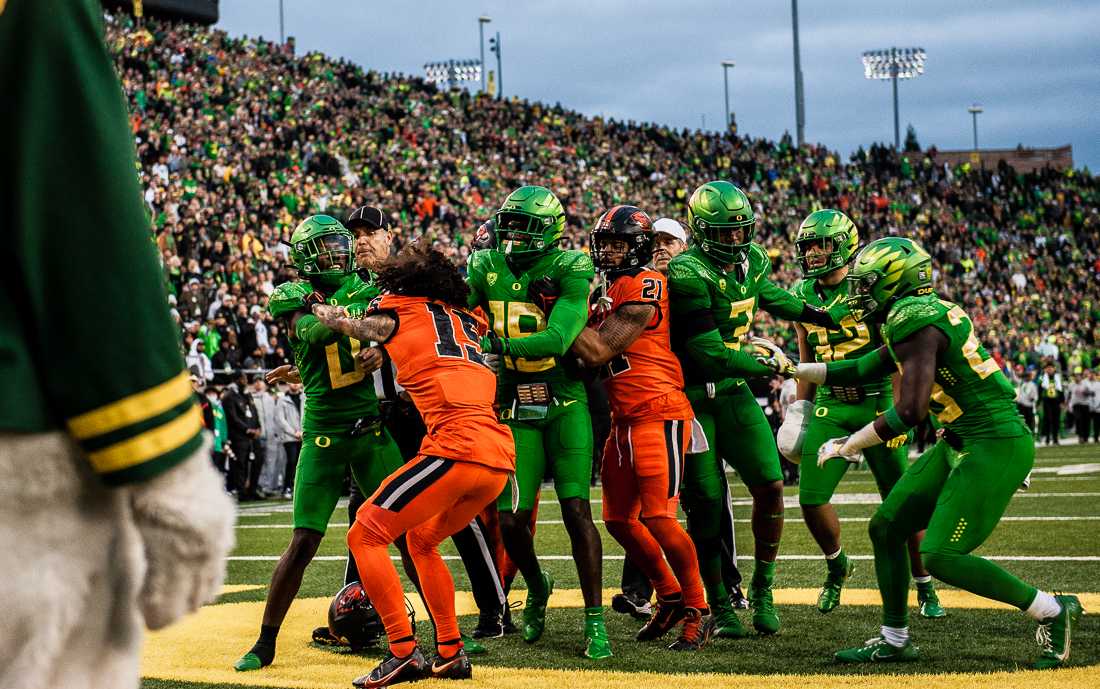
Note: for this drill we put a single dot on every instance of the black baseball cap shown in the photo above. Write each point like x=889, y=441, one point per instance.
x=367, y=217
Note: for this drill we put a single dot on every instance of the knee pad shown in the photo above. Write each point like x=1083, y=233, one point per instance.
x=617, y=528
x=879, y=529
x=938, y=562
x=417, y=542
x=361, y=535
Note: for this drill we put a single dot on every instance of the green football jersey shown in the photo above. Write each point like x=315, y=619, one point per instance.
x=520, y=306
x=697, y=285
x=852, y=340
x=970, y=395
x=338, y=390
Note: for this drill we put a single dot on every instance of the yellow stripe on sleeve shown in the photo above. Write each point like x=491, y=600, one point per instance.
x=133, y=409
x=149, y=445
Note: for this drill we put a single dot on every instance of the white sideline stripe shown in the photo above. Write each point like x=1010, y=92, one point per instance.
x=396, y=558
x=857, y=520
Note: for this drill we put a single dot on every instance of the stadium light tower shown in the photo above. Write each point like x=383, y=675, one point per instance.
x=453, y=72
x=974, y=110
x=481, y=22
x=799, y=103
x=494, y=47
x=894, y=64
x=726, y=64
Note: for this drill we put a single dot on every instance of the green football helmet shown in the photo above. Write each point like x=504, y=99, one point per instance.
x=321, y=248
x=837, y=235
x=884, y=271
x=530, y=222
x=722, y=221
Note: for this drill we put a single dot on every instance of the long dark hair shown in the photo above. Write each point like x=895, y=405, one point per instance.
x=420, y=271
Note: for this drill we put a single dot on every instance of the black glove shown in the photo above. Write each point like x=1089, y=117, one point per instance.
x=544, y=293
x=816, y=316
x=492, y=344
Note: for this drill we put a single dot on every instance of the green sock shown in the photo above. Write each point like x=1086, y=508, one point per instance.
x=537, y=586
x=717, y=595
x=763, y=574
x=892, y=572
x=838, y=566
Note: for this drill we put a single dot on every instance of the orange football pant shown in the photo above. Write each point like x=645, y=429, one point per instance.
x=429, y=499
x=643, y=467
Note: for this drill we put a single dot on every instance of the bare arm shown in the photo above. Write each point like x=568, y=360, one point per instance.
x=376, y=327
x=619, y=331
x=806, y=389
x=917, y=358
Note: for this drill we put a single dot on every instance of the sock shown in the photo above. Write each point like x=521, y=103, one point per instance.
x=401, y=648
x=837, y=563
x=763, y=574
x=264, y=648
x=448, y=649
x=538, y=586
x=924, y=582
x=895, y=636
x=717, y=595
x=1044, y=607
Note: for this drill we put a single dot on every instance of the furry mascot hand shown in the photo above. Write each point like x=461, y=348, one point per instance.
x=186, y=523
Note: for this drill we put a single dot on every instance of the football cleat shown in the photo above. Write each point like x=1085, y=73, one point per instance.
x=667, y=615
x=473, y=646
x=534, y=612
x=929, y=602
x=877, y=650
x=596, y=644
x=737, y=598
x=490, y=625
x=324, y=637
x=764, y=617
x=456, y=667
x=696, y=632
x=633, y=605
x=829, y=598
x=393, y=670
x=1054, y=634
x=726, y=623
x=249, y=661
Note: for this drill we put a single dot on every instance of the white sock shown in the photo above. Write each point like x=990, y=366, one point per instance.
x=895, y=636
x=835, y=555
x=1044, y=607
x=927, y=578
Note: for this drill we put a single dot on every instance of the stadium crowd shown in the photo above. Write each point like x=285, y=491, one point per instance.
x=238, y=139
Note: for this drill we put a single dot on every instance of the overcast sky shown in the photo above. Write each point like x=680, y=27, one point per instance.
x=1034, y=66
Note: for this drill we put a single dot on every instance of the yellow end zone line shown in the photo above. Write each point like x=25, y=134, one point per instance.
x=204, y=646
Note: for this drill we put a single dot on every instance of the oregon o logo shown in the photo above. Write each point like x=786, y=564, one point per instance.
x=821, y=411
x=322, y=441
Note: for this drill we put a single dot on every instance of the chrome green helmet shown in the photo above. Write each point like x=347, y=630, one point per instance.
x=722, y=221
x=885, y=271
x=837, y=236
x=322, y=250
x=530, y=222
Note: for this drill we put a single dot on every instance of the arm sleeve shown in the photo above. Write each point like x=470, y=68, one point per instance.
x=566, y=321
x=125, y=398
x=870, y=366
x=719, y=361
x=779, y=302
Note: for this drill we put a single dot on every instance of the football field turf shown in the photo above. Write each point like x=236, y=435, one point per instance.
x=1048, y=537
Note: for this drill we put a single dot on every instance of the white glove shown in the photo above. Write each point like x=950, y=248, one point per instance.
x=834, y=449
x=770, y=355
x=186, y=523
x=793, y=430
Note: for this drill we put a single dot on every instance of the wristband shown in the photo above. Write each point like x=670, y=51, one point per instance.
x=894, y=422
x=811, y=373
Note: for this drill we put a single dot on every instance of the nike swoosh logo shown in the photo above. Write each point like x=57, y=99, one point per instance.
x=566, y=403
x=875, y=655
x=444, y=666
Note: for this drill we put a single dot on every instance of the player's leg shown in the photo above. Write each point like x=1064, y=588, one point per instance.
x=515, y=530
x=816, y=486
x=905, y=511
x=636, y=592
x=320, y=480
x=704, y=495
x=750, y=444
x=568, y=445
x=731, y=573
x=888, y=463
x=479, y=561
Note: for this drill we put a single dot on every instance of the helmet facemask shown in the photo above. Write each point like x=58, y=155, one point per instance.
x=724, y=243
x=520, y=235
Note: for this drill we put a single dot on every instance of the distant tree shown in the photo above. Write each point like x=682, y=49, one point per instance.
x=911, y=143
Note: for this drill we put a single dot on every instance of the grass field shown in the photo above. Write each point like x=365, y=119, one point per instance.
x=1048, y=538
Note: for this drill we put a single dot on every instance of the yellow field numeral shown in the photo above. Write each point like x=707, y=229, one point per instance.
x=506, y=317
x=338, y=377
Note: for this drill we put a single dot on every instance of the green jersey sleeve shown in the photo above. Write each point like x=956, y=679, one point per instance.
x=779, y=302
x=475, y=279
x=910, y=315
x=86, y=339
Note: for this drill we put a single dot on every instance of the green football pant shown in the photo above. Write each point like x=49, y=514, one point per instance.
x=563, y=441
x=959, y=497
x=834, y=419
x=323, y=463
x=746, y=442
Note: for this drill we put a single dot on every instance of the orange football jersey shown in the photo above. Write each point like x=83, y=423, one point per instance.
x=645, y=381
x=435, y=349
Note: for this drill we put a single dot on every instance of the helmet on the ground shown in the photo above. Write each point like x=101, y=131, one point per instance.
x=485, y=236
x=353, y=619
x=837, y=235
x=722, y=221
x=530, y=221
x=322, y=250
x=883, y=272
x=625, y=230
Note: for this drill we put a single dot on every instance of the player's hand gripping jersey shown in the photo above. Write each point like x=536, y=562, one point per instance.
x=330, y=370
x=438, y=359
x=645, y=381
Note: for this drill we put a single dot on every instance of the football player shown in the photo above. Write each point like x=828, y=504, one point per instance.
x=536, y=296
x=958, y=489
x=464, y=463
x=651, y=423
x=716, y=287
x=340, y=426
x=825, y=244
